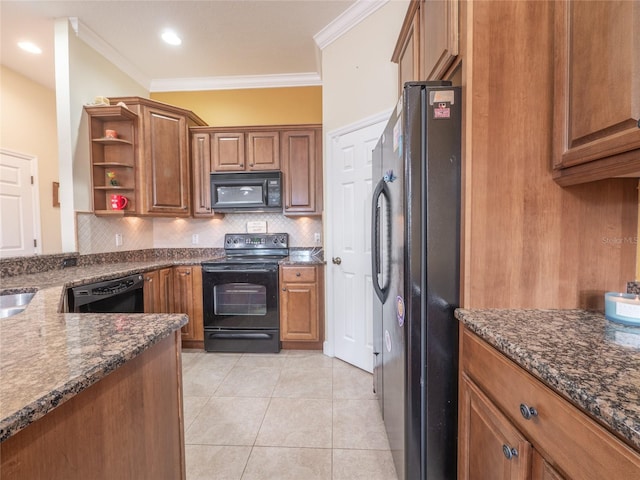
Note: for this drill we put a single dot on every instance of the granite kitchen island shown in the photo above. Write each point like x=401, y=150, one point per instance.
x=90, y=395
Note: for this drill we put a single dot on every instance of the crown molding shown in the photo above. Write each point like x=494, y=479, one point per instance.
x=351, y=17
x=96, y=42
x=235, y=82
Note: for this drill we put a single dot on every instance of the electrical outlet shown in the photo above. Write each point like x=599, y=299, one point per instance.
x=194, y=239
x=118, y=239
x=317, y=238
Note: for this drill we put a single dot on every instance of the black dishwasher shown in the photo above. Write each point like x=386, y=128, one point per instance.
x=121, y=295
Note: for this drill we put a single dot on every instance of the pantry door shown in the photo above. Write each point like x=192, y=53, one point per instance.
x=349, y=303
x=19, y=213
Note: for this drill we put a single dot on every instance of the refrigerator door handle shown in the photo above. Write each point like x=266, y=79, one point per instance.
x=381, y=191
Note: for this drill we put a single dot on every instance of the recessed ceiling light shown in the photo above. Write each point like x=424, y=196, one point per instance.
x=30, y=47
x=171, y=38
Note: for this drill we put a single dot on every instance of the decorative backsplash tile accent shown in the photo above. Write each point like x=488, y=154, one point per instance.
x=633, y=287
x=178, y=232
x=159, y=238
x=97, y=234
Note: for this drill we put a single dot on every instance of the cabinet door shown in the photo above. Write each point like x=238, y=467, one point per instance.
x=597, y=88
x=165, y=291
x=182, y=298
x=151, y=291
x=263, y=150
x=187, y=297
x=201, y=165
x=227, y=152
x=542, y=470
x=300, y=167
x=439, y=37
x=489, y=445
x=300, y=308
x=166, y=163
x=298, y=314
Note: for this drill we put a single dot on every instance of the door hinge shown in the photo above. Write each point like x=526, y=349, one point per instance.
x=35, y=243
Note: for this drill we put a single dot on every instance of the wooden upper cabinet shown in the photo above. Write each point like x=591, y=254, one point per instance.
x=227, y=152
x=439, y=37
x=245, y=150
x=201, y=167
x=166, y=165
x=163, y=174
x=263, y=150
x=596, y=90
x=428, y=41
x=301, y=164
x=407, y=51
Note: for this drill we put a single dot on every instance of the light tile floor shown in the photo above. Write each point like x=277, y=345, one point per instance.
x=294, y=415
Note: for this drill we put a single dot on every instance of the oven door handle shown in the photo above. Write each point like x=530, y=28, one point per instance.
x=252, y=336
x=237, y=270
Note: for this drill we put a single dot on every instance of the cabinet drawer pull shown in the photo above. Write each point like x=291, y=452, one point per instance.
x=509, y=452
x=297, y=274
x=527, y=411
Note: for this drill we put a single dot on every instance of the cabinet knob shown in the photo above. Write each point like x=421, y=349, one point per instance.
x=149, y=279
x=284, y=289
x=336, y=260
x=298, y=274
x=527, y=411
x=509, y=452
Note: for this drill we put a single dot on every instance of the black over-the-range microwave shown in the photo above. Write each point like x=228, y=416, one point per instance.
x=246, y=192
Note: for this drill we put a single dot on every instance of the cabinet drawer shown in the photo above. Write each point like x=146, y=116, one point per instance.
x=299, y=274
x=578, y=446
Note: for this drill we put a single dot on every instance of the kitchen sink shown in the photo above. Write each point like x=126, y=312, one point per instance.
x=14, y=303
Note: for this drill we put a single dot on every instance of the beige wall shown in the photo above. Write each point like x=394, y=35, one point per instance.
x=252, y=106
x=28, y=126
x=359, y=79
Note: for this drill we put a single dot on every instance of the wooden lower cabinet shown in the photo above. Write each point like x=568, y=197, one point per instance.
x=128, y=425
x=187, y=298
x=177, y=290
x=158, y=291
x=497, y=440
x=301, y=306
x=490, y=446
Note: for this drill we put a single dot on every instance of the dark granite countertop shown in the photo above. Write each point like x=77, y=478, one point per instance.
x=592, y=362
x=47, y=357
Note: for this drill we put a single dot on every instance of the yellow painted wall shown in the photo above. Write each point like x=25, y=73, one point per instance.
x=28, y=126
x=252, y=106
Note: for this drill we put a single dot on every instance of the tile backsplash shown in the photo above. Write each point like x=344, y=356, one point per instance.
x=97, y=234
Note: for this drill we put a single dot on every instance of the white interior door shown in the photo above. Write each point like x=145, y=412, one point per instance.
x=349, y=236
x=18, y=205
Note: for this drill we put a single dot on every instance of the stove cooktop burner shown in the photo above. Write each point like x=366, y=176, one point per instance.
x=253, y=248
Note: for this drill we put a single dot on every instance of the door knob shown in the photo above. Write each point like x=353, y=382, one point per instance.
x=336, y=260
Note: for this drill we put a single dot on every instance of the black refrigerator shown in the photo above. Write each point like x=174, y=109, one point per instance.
x=416, y=265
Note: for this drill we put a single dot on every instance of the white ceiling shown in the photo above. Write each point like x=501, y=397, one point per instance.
x=226, y=43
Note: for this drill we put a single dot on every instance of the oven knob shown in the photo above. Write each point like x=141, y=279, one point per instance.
x=228, y=241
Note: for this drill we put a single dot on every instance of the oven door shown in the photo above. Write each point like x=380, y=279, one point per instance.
x=240, y=296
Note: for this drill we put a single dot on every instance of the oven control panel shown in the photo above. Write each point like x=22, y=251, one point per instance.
x=255, y=241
